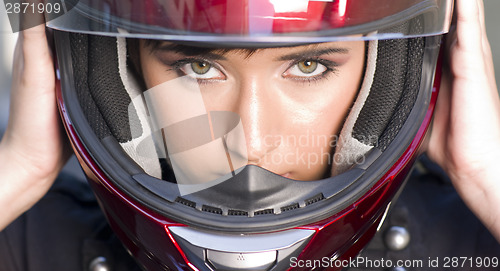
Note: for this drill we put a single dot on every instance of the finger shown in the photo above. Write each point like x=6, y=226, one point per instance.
x=489, y=66
x=471, y=52
x=469, y=36
x=36, y=55
x=33, y=80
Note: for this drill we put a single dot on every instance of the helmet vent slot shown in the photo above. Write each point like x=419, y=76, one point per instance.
x=315, y=199
x=210, y=209
x=290, y=207
x=264, y=212
x=185, y=202
x=237, y=213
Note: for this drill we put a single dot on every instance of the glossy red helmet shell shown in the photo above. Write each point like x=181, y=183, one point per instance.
x=330, y=220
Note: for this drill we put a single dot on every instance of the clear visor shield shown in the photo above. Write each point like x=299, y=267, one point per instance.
x=252, y=21
x=206, y=115
x=217, y=94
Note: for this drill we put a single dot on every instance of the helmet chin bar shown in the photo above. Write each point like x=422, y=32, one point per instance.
x=252, y=200
x=255, y=191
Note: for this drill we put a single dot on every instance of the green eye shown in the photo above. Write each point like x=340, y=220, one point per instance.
x=307, y=66
x=200, y=67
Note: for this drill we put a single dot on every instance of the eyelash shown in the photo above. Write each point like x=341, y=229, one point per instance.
x=177, y=66
x=331, y=67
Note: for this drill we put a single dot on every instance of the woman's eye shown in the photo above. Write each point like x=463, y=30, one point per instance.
x=201, y=70
x=200, y=67
x=306, y=68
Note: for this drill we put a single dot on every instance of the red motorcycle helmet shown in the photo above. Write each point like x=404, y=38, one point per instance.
x=170, y=161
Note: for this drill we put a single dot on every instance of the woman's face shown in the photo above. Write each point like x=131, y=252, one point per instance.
x=291, y=101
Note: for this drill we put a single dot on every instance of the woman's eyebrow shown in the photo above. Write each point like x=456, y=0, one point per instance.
x=313, y=52
x=185, y=50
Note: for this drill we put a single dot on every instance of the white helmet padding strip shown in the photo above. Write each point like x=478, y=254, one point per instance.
x=149, y=159
x=349, y=149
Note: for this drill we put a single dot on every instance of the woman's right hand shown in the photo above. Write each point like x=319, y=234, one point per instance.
x=33, y=149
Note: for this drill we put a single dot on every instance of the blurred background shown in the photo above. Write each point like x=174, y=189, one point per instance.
x=8, y=40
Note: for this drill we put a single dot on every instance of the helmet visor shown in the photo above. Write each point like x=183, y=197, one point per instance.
x=257, y=21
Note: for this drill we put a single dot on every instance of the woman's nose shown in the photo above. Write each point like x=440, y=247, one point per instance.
x=259, y=114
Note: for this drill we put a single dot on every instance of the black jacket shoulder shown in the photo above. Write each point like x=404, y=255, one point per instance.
x=439, y=226
x=65, y=230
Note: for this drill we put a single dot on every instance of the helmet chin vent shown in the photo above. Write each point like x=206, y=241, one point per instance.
x=264, y=212
x=210, y=209
x=237, y=213
x=315, y=199
x=185, y=202
x=234, y=212
x=290, y=207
